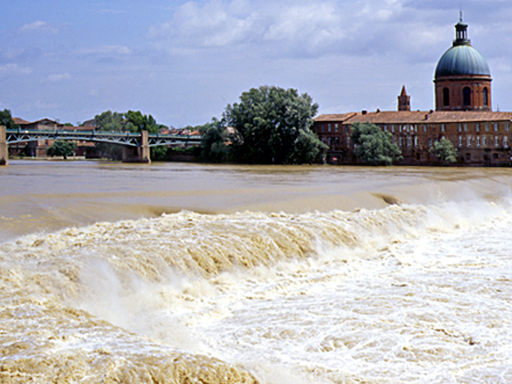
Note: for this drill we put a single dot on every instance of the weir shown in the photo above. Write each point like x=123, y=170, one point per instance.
x=4, y=152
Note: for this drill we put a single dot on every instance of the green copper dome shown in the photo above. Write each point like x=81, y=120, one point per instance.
x=462, y=58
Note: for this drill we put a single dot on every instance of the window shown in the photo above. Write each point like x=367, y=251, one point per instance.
x=424, y=128
x=460, y=141
x=400, y=141
x=487, y=127
x=336, y=127
x=443, y=128
x=415, y=141
x=486, y=97
x=484, y=141
x=496, y=141
x=465, y=127
x=495, y=127
x=505, y=141
x=348, y=142
x=460, y=127
x=385, y=128
x=328, y=127
x=477, y=127
x=466, y=97
x=392, y=128
x=478, y=141
x=446, y=97
x=469, y=141
x=409, y=141
x=507, y=126
x=429, y=142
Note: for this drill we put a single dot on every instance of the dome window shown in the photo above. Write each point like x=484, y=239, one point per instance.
x=486, y=97
x=446, y=97
x=466, y=97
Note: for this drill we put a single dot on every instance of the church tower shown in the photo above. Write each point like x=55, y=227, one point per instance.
x=462, y=78
x=404, y=100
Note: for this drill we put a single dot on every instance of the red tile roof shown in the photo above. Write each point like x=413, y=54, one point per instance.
x=415, y=117
x=19, y=120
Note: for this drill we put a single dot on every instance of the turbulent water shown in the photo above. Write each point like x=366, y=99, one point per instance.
x=192, y=274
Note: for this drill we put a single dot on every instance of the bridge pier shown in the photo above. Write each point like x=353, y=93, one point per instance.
x=138, y=154
x=4, y=151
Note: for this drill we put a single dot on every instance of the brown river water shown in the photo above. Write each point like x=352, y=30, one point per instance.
x=190, y=273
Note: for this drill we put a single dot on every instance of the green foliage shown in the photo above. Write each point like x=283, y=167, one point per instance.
x=137, y=122
x=214, y=141
x=272, y=125
x=6, y=119
x=110, y=122
x=158, y=153
x=62, y=148
x=445, y=151
x=307, y=147
x=131, y=121
x=373, y=145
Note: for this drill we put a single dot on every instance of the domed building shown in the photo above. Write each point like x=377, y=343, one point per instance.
x=463, y=115
x=462, y=77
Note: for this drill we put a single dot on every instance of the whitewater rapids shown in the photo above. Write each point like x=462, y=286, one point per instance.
x=410, y=293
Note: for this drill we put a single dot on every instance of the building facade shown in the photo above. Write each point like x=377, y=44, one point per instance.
x=38, y=148
x=463, y=115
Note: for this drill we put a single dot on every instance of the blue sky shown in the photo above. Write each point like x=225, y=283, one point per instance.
x=184, y=61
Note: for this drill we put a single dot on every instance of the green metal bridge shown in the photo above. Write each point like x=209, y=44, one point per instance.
x=139, y=142
x=133, y=139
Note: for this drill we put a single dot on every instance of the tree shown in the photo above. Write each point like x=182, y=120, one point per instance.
x=131, y=121
x=6, y=119
x=272, y=125
x=137, y=122
x=445, y=151
x=215, y=141
x=110, y=122
x=61, y=148
x=373, y=145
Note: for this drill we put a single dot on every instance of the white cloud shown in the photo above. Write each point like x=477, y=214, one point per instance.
x=214, y=24
x=290, y=28
x=40, y=27
x=58, y=77
x=118, y=50
x=9, y=69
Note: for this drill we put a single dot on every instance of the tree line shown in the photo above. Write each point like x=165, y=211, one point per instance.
x=269, y=125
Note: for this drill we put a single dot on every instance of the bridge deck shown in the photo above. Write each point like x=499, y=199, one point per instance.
x=133, y=139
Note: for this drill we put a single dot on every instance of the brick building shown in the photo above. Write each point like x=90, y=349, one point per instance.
x=463, y=115
x=38, y=148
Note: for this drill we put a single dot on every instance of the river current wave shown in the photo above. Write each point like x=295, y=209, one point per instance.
x=410, y=293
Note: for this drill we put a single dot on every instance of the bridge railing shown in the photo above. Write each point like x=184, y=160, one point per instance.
x=123, y=138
